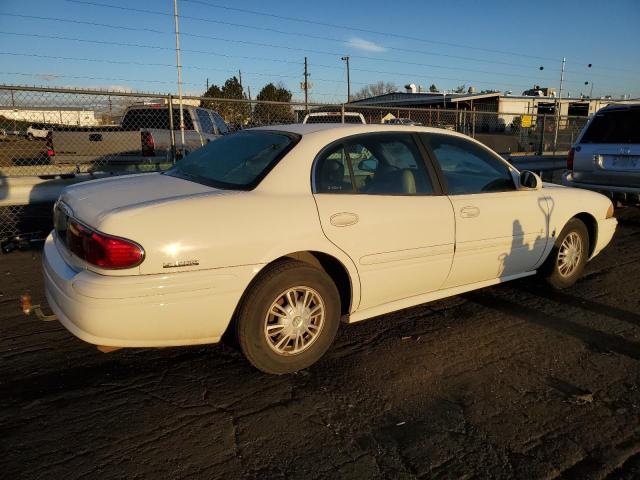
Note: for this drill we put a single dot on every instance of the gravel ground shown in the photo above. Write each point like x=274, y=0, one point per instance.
x=512, y=381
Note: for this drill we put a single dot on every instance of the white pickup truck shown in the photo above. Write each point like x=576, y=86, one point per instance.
x=144, y=136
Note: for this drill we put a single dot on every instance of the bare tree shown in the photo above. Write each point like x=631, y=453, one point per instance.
x=375, y=89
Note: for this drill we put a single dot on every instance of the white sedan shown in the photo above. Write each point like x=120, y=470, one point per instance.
x=276, y=234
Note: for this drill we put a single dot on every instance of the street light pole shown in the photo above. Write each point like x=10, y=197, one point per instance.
x=306, y=86
x=179, y=67
x=346, y=59
x=559, y=105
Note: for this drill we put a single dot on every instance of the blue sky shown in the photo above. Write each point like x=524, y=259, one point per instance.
x=499, y=44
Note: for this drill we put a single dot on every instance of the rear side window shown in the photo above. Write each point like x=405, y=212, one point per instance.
x=614, y=126
x=376, y=164
x=141, y=118
x=205, y=121
x=468, y=168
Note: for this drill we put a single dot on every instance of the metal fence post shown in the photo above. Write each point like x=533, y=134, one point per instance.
x=172, y=133
x=342, y=111
x=541, y=145
x=473, y=123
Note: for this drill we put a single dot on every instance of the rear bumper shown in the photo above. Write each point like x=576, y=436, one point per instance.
x=622, y=192
x=185, y=308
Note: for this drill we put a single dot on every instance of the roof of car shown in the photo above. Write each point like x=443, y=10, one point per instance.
x=620, y=106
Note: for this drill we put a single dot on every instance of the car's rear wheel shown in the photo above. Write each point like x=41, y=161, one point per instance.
x=289, y=317
x=569, y=255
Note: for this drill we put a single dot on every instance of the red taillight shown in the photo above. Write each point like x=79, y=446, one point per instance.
x=102, y=250
x=570, y=156
x=148, y=145
x=50, y=151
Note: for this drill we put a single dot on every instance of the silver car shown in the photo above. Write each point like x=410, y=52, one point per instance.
x=606, y=155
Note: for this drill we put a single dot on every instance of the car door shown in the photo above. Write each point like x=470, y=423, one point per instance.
x=500, y=230
x=378, y=202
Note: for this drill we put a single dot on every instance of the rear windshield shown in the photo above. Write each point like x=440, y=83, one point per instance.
x=141, y=118
x=334, y=119
x=237, y=161
x=614, y=126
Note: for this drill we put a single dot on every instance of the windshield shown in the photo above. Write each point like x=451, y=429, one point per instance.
x=238, y=161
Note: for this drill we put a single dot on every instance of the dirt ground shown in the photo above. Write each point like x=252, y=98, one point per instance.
x=509, y=382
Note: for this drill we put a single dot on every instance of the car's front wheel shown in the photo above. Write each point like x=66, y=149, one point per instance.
x=289, y=317
x=569, y=255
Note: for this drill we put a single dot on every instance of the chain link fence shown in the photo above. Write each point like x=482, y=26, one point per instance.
x=51, y=133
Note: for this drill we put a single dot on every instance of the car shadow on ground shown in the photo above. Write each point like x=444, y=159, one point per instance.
x=582, y=303
x=591, y=337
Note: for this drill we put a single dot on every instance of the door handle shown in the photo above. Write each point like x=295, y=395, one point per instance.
x=343, y=219
x=469, y=212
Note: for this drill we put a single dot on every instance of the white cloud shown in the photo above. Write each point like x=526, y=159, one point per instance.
x=47, y=77
x=366, y=45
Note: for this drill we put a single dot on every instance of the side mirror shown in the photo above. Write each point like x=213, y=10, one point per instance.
x=530, y=180
x=368, y=165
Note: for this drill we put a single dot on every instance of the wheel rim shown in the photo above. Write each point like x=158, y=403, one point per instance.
x=570, y=254
x=294, y=320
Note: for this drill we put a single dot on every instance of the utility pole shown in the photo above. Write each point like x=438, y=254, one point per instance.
x=207, y=85
x=346, y=59
x=179, y=67
x=306, y=86
x=240, y=80
x=559, y=105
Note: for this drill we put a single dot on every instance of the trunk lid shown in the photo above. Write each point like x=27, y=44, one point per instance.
x=92, y=201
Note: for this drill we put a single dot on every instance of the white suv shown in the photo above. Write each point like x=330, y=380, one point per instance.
x=37, y=130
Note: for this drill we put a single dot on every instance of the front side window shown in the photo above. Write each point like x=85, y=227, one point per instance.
x=377, y=164
x=237, y=161
x=222, y=127
x=469, y=168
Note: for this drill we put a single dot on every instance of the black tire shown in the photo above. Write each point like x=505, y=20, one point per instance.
x=29, y=136
x=552, y=270
x=268, y=288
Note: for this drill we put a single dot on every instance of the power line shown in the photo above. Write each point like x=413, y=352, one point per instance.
x=375, y=32
x=253, y=27
x=260, y=44
x=121, y=62
x=167, y=65
x=357, y=29
x=83, y=22
x=115, y=79
x=206, y=69
x=412, y=51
